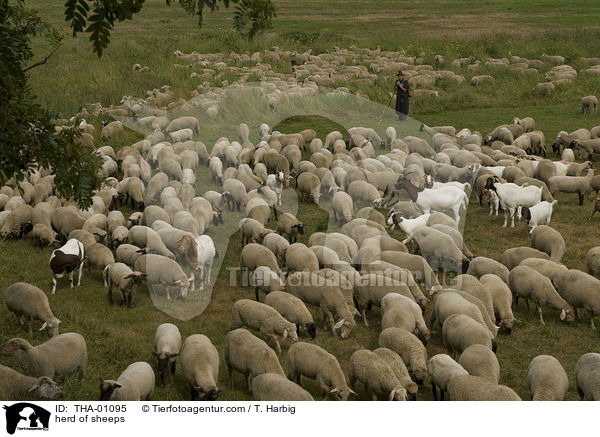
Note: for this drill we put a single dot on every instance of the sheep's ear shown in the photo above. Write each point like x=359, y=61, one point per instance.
x=285, y=333
x=117, y=385
x=34, y=387
x=563, y=314
x=154, y=353
x=131, y=275
x=334, y=390
x=516, y=320
x=339, y=324
x=392, y=394
x=44, y=326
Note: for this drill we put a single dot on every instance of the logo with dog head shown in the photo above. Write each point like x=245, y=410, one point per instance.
x=26, y=417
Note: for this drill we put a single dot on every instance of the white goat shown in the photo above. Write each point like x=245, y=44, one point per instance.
x=206, y=255
x=409, y=226
x=539, y=214
x=441, y=199
x=513, y=196
x=496, y=171
x=275, y=183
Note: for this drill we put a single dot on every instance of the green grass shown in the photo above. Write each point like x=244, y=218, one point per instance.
x=74, y=77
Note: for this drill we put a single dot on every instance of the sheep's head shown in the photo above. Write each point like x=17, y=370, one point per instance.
x=345, y=327
x=299, y=227
x=13, y=346
x=46, y=388
x=567, y=314
x=51, y=327
x=107, y=388
x=341, y=393
x=398, y=394
x=210, y=395
x=163, y=360
x=311, y=329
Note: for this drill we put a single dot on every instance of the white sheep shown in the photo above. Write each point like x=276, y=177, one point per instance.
x=479, y=360
x=587, y=377
x=167, y=343
x=126, y=280
x=181, y=135
x=402, y=312
x=376, y=376
x=200, y=364
x=342, y=207
x=476, y=388
x=580, y=290
x=163, y=271
x=293, y=310
x=550, y=241
x=111, y=129
x=314, y=362
x=547, y=379
x=136, y=383
x=273, y=387
x=15, y=386
x=410, y=349
x=26, y=300
x=460, y=331
x=502, y=300
x=442, y=368
x=266, y=280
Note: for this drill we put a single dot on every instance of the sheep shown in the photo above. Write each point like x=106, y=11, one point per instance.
x=274, y=387
x=575, y=169
x=299, y=258
x=538, y=214
x=415, y=263
x=263, y=318
x=184, y=123
x=294, y=310
x=276, y=244
x=111, y=129
x=442, y=369
x=128, y=254
x=479, y=360
x=309, y=185
x=200, y=365
x=548, y=268
x=528, y=123
x=592, y=261
x=587, y=377
x=400, y=370
x=481, y=265
x=567, y=156
x=314, y=362
x=167, y=344
x=289, y=226
x=100, y=256
x=362, y=191
x=136, y=383
x=126, y=280
x=545, y=88
x=512, y=196
x=15, y=386
x=18, y=223
x=252, y=231
x=528, y=283
x=376, y=376
x=547, y=379
x=342, y=207
x=476, y=388
x=313, y=289
x=512, y=257
x=145, y=237
x=580, y=290
x=440, y=251
x=571, y=184
x=402, y=312
x=60, y=355
x=249, y=355
x=548, y=240
x=119, y=236
x=460, y=331
x=43, y=235
x=502, y=301
x=589, y=104
x=163, y=271
x=410, y=349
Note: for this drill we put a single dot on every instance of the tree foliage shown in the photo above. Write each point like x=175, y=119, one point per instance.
x=97, y=17
x=27, y=132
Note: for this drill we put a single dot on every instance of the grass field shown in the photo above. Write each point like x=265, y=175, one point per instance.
x=117, y=336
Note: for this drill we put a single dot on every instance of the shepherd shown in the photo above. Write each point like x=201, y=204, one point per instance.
x=402, y=89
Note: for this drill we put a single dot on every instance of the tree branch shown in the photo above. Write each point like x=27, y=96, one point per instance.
x=43, y=61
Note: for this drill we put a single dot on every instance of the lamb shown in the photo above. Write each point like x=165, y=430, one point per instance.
x=300, y=258
x=27, y=300
x=254, y=255
x=580, y=290
x=402, y=312
x=163, y=271
x=512, y=196
x=294, y=310
x=149, y=239
x=289, y=226
x=136, y=383
x=15, y=386
x=126, y=280
x=512, y=257
x=547, y=379
x=111, y=129
x=311, y=361
x=274, y=387
x=481, y=265
x=460, y=331
x=263, y=318
x=528, y=283
x=200, y=364
x=167, y=343
x=43, y=235
x=589, y=104
x=442, y=369
x=410, y=349
x=60, y=355
x=479, y=360
x=538, y=214
x=249, y=355
x=313, y=289
x=342, y=207
x=476, y=388
x=99, y=256
x=587, y=377
x=548, y=240
x=376, y=376
x=571, y=184
x=502, y=300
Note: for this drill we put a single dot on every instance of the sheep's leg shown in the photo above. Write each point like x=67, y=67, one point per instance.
x=512, y=218
x=173, y=365
x=539, y=309
x=442, y=392
x=129, y=298
x=457, y=214
x=527, y=305
x=256, y=294
x=277, y=345
x=580, y=199
x=364, y=317
x=30, y=323
x=110, y=299
x=591, y=319
x=230, y=375
x=434, y=391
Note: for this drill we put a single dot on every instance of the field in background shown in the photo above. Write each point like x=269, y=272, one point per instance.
x=117, y=336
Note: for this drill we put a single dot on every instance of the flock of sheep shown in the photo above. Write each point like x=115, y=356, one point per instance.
x=339, y=276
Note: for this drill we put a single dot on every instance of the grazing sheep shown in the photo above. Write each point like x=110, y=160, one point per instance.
x=571, y=184
x=449, y=302
x=109, y=130
x=99, y=256
x=299, y=258
x=548, y=268
x=164, y=272
x=528, y=283
x=440, y=251
x=273, y=387
x=128, y=254
x=15, y=386
x=589, y=104
x=27, y=300
x=476, y=388
x=479, y=360
x=442, y=368
x=43, y=235
x=512, y=257
x=263, y=318
x=460, y=331
x=249, y=355
x=415, y=263
x=481, y=265
x=289, y=226
x=342, y=207
x=376, y=376
x=126, y=280
x=502, y=301
x=200, y=365
x=587, y=377
x=167, y=343
x=61, y=355
x=252, y=231
x=547, y=379
x=311, y=361
x=402, y=312
x=410, y=349
x=149, y=239
x=136, y=383
x=580, y=290
x=309, y=185
x=548, y=240
x=254, y=255
x=400, y=370
x=293, y=310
